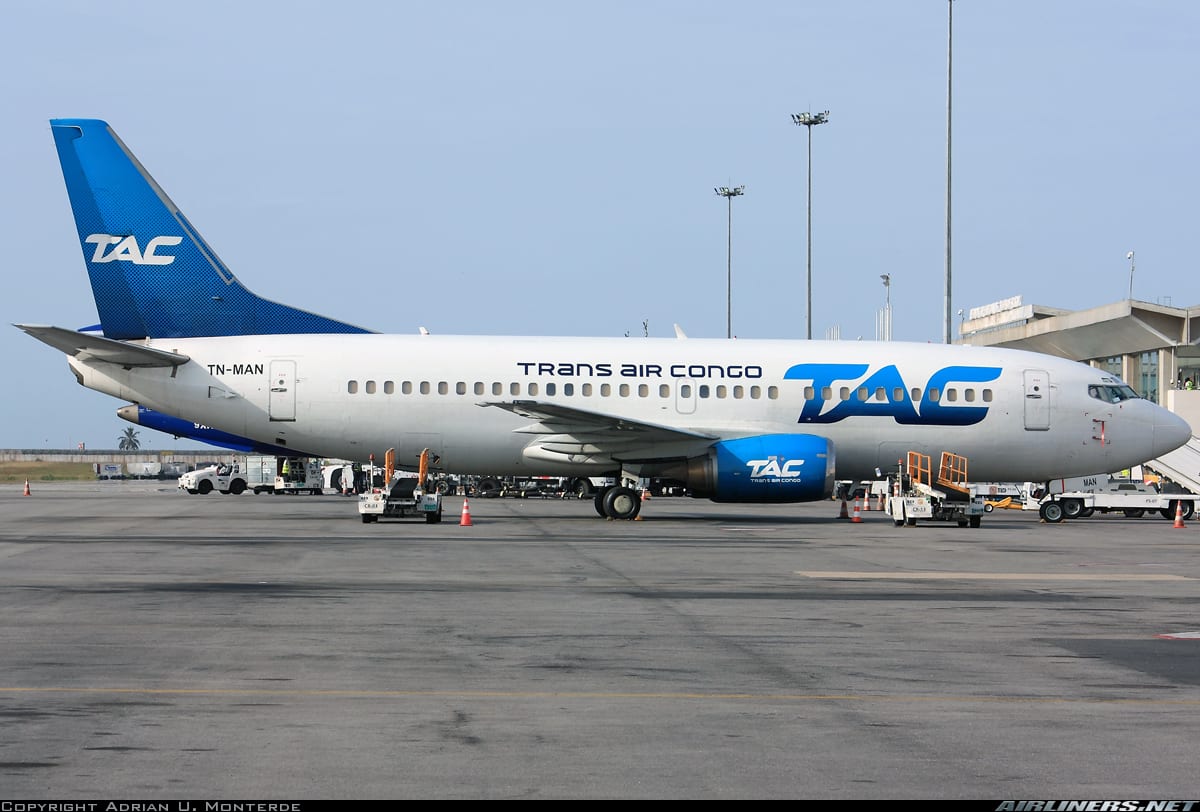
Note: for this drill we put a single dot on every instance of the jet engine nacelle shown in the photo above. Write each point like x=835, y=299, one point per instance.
x=765, y=468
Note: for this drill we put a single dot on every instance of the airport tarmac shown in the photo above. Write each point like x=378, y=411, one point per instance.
x=158, y=645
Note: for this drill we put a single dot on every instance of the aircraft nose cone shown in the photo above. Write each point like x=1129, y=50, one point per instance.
x=1170, y=432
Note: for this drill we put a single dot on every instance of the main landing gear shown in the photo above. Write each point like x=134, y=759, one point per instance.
x=618, y=503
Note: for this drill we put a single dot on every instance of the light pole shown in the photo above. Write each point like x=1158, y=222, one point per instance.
x=949, y=97
x=886, y=332
x=809, y=120
x=729, y=194
x=1129, y=257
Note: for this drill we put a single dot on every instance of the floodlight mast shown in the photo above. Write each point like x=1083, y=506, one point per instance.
x=729, y=194
x=809, y=120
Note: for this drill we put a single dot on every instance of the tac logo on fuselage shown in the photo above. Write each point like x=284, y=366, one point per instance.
x=126, y=249
x=775, y=469
x=897, y=402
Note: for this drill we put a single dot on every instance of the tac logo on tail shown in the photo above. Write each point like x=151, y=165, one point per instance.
x=125, y=249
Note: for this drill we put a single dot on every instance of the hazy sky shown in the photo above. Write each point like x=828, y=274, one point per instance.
x=547, y=168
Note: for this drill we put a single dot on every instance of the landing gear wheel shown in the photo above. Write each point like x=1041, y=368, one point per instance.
x=1052, y=512
x=1072, y=508
x=599, y=502
x=622, y=503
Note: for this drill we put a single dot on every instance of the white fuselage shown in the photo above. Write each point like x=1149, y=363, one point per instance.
x=1015, y=415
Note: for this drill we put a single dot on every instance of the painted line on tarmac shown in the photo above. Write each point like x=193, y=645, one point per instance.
x=469, y=694
x=989, y=576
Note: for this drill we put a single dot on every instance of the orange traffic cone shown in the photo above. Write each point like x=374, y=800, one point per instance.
x=857, y=519
x=645, y=494
x=1178, y=514
x=843, y=514
x=465, y=521
x=27, y=493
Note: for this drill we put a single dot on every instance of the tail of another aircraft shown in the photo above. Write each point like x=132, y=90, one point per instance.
x=152, y=273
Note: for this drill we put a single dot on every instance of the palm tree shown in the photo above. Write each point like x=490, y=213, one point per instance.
x=129, y=440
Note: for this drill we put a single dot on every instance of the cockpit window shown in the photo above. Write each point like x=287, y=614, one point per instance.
x=1112, y=393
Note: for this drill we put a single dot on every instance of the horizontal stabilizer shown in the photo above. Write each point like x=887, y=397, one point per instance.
x=88, y=347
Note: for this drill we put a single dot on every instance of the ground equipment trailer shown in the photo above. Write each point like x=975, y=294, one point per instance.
x=952, y=500
x=404, y=494
x=1134, y=500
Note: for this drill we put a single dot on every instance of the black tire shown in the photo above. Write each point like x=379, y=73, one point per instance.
x=193, y=491
x=598, y=501
x=975, y=521
x=1052, y=512
x=582, y=489
x=1134, y=513
x=434, y=518
x=1072, y=508
x=1087, y=511
x=622, y=503
x=988, y=507
x=237, y=486
x=204, y=488
x=962, y=522
x=367, y=519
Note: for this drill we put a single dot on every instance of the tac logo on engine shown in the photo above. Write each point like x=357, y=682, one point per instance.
x=779, y=469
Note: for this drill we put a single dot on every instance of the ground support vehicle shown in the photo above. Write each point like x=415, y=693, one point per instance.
x=1132, y=502
x=403, y=496
x=285, y=475
x=225, y=477
x=952, y=500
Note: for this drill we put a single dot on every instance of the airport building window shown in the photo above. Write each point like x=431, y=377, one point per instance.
x=550, y=389
x=425, y=387
x=352, y=387
x=773, y=392
x=389, y=387
x=1149, y=366
x=406, y=387
x=587, y=390
x=370, y=387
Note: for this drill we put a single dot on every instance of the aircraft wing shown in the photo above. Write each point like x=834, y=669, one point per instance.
x=88, y=347
x=592, y=428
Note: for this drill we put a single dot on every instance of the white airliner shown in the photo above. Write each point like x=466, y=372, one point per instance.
x=739, y=421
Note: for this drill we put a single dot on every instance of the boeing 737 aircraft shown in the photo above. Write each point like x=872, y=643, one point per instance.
x=739, y=421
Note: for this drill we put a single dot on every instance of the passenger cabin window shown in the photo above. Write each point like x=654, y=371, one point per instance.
x=352, y=387
x=370, y=387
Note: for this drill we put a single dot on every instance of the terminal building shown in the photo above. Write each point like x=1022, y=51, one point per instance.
x=1154, y=348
